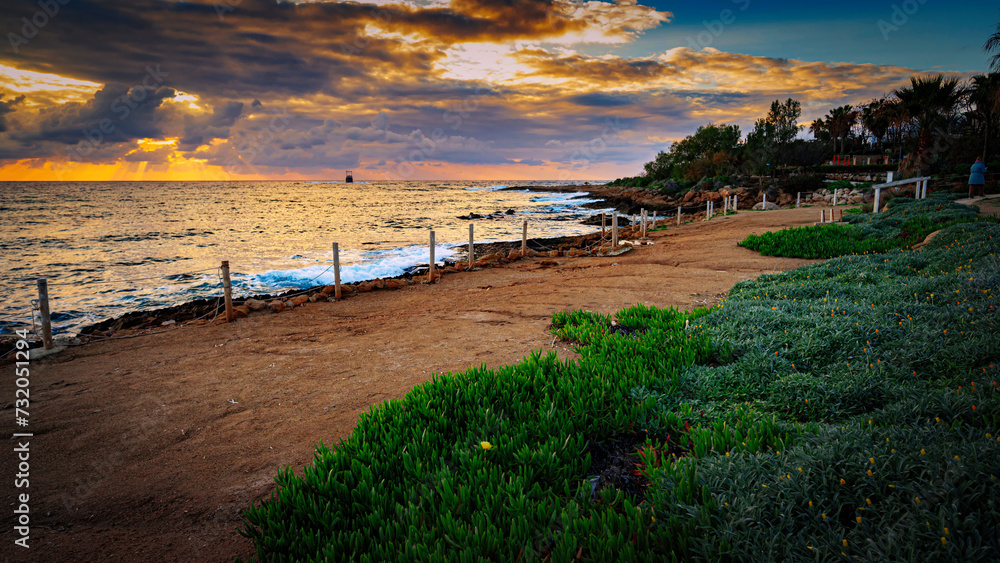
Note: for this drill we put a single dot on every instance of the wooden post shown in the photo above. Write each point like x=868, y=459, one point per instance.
x=603, y=223
x=798, y=200
x=614, y=229
x=654, y=220
x=43, y=310
x=430, y=269
x=336, y=271
x=878, y=192
x=524, y=237
x=678, y=216
x=472, y=247
x=736, y=206
x=763, y=206
x=834, y=202
x=822, y=216
x=708, y=210
x=643, y=223
x=227, y=288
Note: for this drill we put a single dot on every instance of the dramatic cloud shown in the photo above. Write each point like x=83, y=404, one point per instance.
x=261, y=88
x=7, y=107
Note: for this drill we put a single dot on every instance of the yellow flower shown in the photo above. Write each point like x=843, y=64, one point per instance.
x=858, y=519
x=824, y=516
x=944, y=541
x=869, y=472
x=842, y=482
x=845, y=543
x=917, y=499
x=946, y=531
x=869, y=501
x=810, y=503
x=922, y=452
x=486, y=445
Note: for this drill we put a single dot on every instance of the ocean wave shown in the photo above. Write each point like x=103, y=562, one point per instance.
x=371, y=265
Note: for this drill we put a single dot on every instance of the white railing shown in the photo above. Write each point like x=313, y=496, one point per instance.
x=921, y=188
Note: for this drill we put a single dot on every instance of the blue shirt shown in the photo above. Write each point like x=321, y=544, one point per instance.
x=976, y=177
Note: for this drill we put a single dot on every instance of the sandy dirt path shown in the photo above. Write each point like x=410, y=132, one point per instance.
x=149, y=448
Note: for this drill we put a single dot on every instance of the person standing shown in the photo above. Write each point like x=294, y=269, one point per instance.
x=977, y=179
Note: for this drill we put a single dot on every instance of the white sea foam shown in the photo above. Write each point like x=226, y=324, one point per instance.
x=370, y=265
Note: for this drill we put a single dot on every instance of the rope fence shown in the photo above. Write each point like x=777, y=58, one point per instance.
x=224, y=303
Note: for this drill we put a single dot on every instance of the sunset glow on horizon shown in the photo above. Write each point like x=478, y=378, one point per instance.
x=412, y=90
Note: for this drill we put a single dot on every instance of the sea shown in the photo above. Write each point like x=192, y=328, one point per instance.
x=108, y=248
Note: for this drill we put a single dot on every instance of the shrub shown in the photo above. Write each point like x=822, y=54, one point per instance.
x=906, y=222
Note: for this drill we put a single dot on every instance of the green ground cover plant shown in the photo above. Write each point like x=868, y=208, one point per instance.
x=845, y=410
x=904, y=223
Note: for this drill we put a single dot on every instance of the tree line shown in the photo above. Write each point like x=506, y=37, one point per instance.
x=933, y=125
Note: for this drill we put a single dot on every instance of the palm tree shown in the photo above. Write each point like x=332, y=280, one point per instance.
x=928, y=101
x=817, y=128
x=984, y=94
x=993, y=44
x=839, y=123
x=876, y=118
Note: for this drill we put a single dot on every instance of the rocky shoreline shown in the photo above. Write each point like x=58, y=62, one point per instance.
x=631, y=201
x=626, y=200
x=202, y=312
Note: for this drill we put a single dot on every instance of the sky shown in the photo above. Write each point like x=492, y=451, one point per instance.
x=436, y=89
